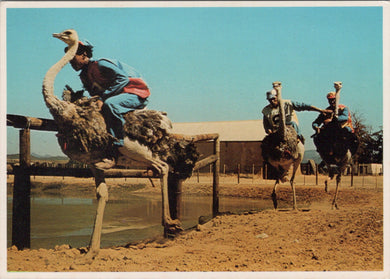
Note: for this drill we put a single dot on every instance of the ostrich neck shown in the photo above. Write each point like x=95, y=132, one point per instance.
x=336, y=109
x=55, y=105
x=282, y=113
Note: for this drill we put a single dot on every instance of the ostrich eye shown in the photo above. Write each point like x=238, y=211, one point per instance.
x=67, y=32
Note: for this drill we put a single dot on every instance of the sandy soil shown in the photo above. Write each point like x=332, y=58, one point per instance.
x=314, y=238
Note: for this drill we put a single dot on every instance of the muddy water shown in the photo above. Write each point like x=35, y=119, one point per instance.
x=59, y=220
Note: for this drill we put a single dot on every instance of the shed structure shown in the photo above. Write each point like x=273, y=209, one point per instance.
x=240, y=142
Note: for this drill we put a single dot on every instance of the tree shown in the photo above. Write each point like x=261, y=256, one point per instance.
x=378, y=146
x=371, y=144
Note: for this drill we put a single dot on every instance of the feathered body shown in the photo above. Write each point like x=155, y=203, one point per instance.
x=277, y=150
x=86, y=139
x=152, y=129
x=333, y=143
x=84, y=136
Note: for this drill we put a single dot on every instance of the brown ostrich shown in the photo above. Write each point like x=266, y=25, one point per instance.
x=83, y=137
x=283, y=150
x=336, y=147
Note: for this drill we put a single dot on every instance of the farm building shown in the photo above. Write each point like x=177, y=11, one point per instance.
x=240, y=142
x=370, y=169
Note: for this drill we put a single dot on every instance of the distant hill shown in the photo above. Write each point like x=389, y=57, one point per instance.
x=311, y=155
x=36, y=157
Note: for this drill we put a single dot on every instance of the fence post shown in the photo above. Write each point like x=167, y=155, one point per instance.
x=21, y=205
x=175, y=186
x=238, y=173
x=216, y=170
x=253, y=172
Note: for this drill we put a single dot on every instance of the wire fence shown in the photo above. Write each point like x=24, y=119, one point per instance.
x=372, y=181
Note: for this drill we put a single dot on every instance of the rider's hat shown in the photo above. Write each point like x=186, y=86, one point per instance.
x=271, y=94
x=331, y=95
x=84, y=46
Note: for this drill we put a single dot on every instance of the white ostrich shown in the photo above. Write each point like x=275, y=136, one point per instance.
x=282, y=149
x=83, y=137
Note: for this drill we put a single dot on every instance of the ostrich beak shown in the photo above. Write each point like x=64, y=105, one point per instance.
x=57, y=35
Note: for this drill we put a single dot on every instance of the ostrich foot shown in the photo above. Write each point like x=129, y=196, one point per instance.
x=172, y=228
x=87, y=258
x=326, y=186
x=105, y=164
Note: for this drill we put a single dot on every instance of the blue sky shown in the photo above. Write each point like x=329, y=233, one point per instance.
x=207, y=63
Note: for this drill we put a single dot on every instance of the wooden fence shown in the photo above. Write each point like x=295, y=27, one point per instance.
x=21, y=209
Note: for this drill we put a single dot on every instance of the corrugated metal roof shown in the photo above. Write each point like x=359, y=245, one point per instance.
x=243, y=130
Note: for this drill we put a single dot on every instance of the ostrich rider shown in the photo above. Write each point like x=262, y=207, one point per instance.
x=271, y=113
x=119, y=87
x=343, y=122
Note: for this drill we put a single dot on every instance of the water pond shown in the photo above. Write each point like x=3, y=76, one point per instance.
x=61, y=220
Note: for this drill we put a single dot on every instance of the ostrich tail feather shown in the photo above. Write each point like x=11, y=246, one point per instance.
x=182, y=157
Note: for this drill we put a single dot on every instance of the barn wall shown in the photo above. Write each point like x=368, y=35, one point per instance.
x=245, y=153
x=233, y=153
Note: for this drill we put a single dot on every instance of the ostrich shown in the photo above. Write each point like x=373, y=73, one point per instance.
x=335, y=147
x=83, y=137
x=282, y=149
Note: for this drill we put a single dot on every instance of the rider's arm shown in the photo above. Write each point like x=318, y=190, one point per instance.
x=317, y=122
x=118, y=78
x=343, y=114
x=299, y=106
x=266, y=124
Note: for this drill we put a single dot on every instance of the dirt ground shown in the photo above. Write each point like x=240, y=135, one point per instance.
x=314, y=238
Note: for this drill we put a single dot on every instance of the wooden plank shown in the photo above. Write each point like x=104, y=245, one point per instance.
x=204, y=162
x=196, y=138
x=19, y=121
x=82, y=172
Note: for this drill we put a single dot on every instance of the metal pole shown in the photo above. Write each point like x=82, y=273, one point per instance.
x=21, y=208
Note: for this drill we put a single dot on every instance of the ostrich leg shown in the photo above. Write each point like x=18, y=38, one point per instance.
x=338, y=180
x=102, y=197
x=273, y=195
x=170, y=226
x=296, y=165
x=294, y=196
x=326, y=184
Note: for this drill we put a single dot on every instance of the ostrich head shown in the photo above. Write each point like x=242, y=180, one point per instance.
x=55, y=105
x=68, y=36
